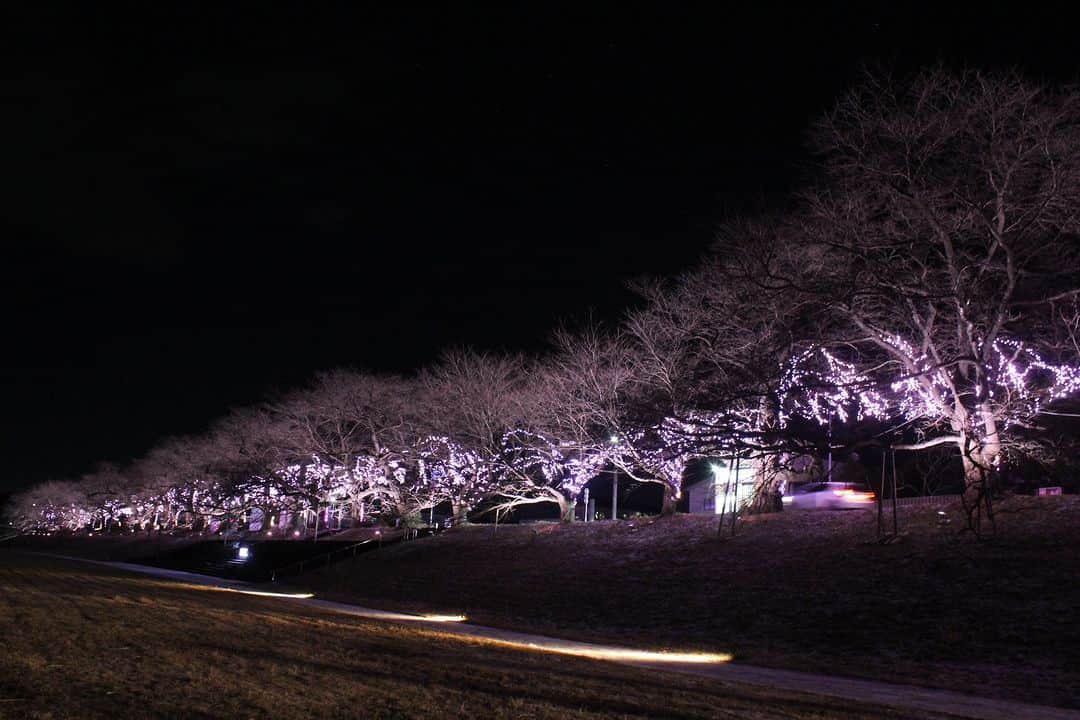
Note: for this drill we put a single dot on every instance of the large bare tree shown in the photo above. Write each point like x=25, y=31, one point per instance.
x=947, y=222
x=711, y=347
x=474, y=399
x=352, y=431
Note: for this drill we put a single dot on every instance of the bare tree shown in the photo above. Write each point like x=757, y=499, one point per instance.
x=596, y=396
x=948, y=226
x=473, y=400
x=353, y=431
x=50, y=506
x=710, y=349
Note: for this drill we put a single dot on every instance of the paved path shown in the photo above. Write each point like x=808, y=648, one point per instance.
x=910, y=697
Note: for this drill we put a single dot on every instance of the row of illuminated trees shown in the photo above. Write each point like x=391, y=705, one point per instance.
x=920, y=291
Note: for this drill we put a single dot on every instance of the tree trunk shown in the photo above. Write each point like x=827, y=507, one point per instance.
x=978, y=461
x=667, y=507
x=767, y=478
x=566, y=508
x=460, y=512
x=766, y=486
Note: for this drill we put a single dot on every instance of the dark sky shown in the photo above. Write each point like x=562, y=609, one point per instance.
x=199, y=207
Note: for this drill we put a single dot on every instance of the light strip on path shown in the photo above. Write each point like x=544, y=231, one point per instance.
x=260, y=593
x=241, y=591
x=376, y=614
x=601, y=652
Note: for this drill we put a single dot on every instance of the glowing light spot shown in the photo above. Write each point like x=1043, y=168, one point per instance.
x=261, y=593
x=616, y=654
x=444, y=618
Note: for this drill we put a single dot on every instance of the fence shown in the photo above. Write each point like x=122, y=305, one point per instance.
x=322, y=560
x=923, y=500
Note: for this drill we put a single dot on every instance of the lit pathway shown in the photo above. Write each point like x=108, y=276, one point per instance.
x=909, y=697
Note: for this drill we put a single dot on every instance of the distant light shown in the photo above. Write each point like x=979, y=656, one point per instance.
x=787, y=498
x=296, y=533
x=614, y=439
x=269, y=532
x=243, y=553
x=444, y=618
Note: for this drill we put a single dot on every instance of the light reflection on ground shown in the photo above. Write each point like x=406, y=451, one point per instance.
x=616, y=654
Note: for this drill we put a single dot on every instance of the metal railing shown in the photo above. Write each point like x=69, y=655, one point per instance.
x=323, y=559
x=925, y=500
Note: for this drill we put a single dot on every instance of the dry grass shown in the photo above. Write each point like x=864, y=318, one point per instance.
x=118, y=547
x=79, y=641
x=807, y=591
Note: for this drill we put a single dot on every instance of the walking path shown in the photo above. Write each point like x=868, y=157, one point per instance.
x=910, y=697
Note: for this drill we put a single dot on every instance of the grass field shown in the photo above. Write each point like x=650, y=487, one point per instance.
x=79, y=641
x=802, y=590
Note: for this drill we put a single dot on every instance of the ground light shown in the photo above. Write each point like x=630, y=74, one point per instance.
x=262, y=593
x=617, y=654
x=562, y=647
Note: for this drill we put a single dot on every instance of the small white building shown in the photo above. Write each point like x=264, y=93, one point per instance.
x=726, y=488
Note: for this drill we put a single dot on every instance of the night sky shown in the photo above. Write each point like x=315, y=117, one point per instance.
x=202, y=207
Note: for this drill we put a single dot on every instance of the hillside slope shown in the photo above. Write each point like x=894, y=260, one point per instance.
x=804, y=590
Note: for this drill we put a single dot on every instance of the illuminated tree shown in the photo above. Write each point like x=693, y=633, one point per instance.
x=597, y=400
x=346, y=435
x=709, y=350
x=474, y=399
x=49, y=506
x=944, y=247
x=183, y=466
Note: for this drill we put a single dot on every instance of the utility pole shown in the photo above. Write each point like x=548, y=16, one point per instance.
x=614, y=494
x=828, y=470
x=614, y=440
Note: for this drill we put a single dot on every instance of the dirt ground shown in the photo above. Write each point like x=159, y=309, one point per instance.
x=79, y=641
x=807, y=590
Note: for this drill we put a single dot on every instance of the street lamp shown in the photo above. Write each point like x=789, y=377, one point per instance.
x=614, y=440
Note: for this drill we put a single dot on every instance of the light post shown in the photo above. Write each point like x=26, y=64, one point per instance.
x=720, y=504
x=614, y=439
x=828, y=467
